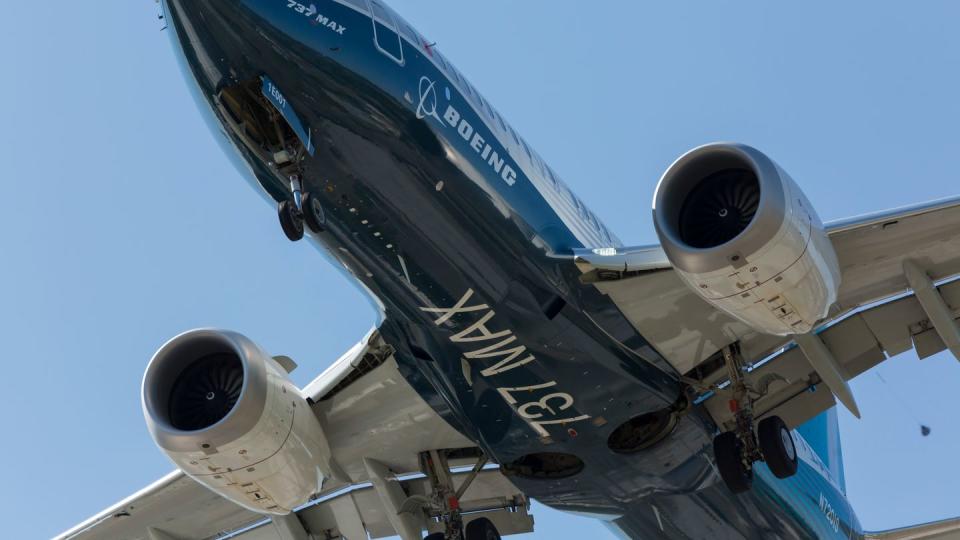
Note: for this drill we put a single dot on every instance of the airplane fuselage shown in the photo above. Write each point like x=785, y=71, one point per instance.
x=463, y=237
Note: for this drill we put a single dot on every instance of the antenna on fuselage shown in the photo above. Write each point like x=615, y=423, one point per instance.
x=161, y=16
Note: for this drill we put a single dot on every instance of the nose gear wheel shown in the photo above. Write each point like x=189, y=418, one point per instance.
x=291, y=220
x=304, y=211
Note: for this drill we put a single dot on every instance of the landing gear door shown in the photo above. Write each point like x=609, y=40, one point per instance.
x=386, y=34
x=277, y=99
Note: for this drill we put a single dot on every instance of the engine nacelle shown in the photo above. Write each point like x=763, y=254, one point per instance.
x=228, y=415
x=742, y=235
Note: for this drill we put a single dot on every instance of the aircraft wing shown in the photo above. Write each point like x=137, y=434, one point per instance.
x=947, y=529
x=178, y=508
x=160, y=506
x=376, y=425
x=898, y=293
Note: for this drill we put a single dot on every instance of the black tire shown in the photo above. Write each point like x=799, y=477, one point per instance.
x=779, y=450
x=291, y=220
x=481, y=529
x=435, y=536
x=728, y=451
x=313, y=214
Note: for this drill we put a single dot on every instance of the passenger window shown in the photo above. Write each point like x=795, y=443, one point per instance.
x=607, y=235
x=442, y=61
x=527, y=150
x=581, y=210
x=470, y=89
x=553, y=178
x=503, y=127
x=486, y=108
x=515, y=138
x=540, y=166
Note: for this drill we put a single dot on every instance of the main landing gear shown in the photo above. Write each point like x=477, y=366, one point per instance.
x=736, y=451
x=478, y=529
x=304, y=209
x=444, y=501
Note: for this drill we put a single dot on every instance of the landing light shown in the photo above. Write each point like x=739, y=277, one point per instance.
x=605, y=252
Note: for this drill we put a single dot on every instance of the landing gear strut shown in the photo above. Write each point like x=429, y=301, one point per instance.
x=444, y=500
x=304, y=209
x=736, y=451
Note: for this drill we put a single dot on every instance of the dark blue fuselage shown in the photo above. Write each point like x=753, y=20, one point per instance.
x=462, y=236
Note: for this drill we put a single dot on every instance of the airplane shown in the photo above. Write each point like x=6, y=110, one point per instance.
x=680, y=390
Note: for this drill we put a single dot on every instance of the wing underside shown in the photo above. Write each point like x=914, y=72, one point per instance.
x=899, y=292
x=948, y=529
x=377, y=426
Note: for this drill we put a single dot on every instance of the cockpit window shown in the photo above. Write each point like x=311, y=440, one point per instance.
x=385, y=32
x=359, y=5
x=381, y=12
x=503, y=126
x=410, y=34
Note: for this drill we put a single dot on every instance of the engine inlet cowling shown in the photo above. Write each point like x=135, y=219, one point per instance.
x=744, y=237
x=206, y=391
x=719, y=208
x=227, y=414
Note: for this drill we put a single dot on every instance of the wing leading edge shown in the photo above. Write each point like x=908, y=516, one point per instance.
x=157, y=512
x=948, y=529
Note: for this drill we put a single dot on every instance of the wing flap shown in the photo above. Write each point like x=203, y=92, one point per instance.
x=335, y=514
x=351, y=512
x=858, y=342
x=871, y=249
x=161, y=506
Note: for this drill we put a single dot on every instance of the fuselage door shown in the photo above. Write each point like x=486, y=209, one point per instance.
x=386, y=35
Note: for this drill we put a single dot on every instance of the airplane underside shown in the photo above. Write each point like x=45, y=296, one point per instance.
x=509, y=333
x=426, y=235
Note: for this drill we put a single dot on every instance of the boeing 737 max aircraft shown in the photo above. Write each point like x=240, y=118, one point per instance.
x=685, y=390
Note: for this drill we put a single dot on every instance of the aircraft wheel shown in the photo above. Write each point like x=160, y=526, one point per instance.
x=481, y=529
x=777, y=446
x=291, y=220
x=728, y=451
x=313, y=214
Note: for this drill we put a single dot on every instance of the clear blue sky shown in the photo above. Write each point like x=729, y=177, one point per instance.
x=121, y=224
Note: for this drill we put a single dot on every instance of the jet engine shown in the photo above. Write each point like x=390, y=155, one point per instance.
x=742, y=235
x=228, y=415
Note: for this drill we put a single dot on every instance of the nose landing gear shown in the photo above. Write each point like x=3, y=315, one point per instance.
x=736, y=451
x=291, y=220
x=304, y=209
